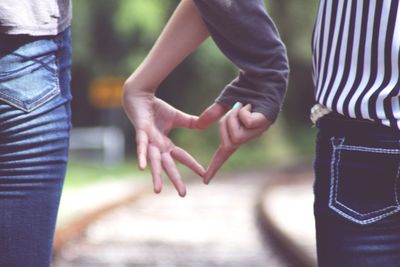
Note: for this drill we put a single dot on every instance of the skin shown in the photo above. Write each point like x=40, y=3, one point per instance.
x=236, y=127
x=153, y=118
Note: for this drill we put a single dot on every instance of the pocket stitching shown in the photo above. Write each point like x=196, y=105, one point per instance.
x=336, y=153
x=20, y=105
x=367, y=221
x=365, y=149
x=363, y=214
x=388, y=151
x=17, y=103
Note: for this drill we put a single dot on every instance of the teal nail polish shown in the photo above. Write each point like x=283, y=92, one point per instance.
x=237, y=105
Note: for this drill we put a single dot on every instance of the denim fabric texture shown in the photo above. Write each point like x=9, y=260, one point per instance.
x=357, y=193
x=34, y=134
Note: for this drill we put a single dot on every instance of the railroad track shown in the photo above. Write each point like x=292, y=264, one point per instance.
x=217, y=225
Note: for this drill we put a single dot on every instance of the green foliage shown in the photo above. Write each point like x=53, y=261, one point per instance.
x=148, y=21
x=82, y=174
x=81, y=41
x=295, y=21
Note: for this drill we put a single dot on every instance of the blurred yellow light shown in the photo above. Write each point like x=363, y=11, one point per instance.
x=106, y=92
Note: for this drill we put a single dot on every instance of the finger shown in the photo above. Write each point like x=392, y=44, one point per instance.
x=173, y=173
x=141, y=143
x=224, y=135
x=234, y=127
x=155, y=164
x=185, y=158
x=251, y=119
x=184, y=120
x=239, y=135
x=220, y=156
x=211, y=115
x=244, y=135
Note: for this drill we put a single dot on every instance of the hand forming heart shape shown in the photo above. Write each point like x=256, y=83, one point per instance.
x=153, y=119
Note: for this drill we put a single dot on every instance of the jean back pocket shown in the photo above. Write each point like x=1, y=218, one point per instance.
x=364, y=179
x=28, y=72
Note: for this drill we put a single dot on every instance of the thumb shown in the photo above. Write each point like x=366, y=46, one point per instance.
x=212, y=114
x=184, y=120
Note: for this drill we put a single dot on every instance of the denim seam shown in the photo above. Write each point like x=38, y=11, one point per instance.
x=41, y=63
x=333, y=184
x=363, y=214
x=367, y=221
x=58, y=65
x=38, y=61
x=6, y=74
x=335, y=162
x=19, y=104
x=396, y=185
x=369, y=149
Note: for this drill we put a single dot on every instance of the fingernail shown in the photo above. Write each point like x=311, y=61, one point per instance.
x=237, y=105
x=142, y=166
x=142, y=163
x=157, y=189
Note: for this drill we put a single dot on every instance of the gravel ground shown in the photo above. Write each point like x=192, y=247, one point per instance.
x=213, y=226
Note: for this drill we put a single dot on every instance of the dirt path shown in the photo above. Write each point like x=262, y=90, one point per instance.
x=213, y=226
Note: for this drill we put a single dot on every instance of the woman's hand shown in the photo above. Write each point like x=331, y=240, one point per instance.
x=236, y=127
x=153, y=119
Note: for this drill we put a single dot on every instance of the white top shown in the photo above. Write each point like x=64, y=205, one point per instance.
x=356, y=52
x=35, y=17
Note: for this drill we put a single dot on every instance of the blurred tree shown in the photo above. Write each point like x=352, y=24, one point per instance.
x=295, y=20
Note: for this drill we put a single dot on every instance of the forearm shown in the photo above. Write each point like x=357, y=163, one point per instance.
x=184, y=32
x=245, y=33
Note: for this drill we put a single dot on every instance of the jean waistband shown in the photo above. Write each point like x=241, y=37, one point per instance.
x=335, y=123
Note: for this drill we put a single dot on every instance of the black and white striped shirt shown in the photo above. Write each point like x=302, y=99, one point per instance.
x=356, y=46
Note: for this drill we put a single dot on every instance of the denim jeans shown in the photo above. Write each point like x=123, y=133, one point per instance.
x=34, y=133
x=357, y=193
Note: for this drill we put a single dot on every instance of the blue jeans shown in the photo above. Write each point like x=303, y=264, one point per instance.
x=357, y=193
x=34, y=133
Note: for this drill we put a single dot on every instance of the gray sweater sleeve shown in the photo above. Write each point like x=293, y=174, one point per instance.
x=245, y=33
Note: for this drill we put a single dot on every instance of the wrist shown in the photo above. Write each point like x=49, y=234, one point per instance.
x=134, y=86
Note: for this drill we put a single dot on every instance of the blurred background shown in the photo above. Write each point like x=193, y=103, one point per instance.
x=111, y=38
